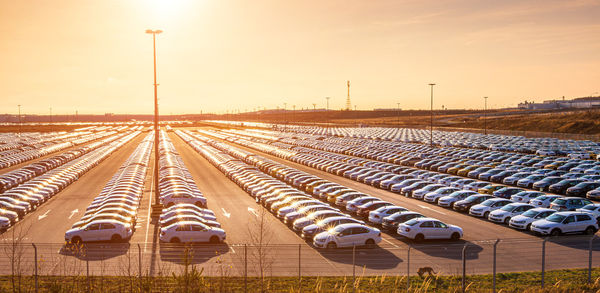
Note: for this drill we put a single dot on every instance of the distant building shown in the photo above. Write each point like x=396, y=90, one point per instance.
x=578, y=103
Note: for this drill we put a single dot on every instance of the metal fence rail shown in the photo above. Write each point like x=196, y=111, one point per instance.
x=297, y=260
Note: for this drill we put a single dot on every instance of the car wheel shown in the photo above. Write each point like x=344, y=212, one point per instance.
x=214, y=239
x=507, y=220
x=419, y=237
x=486, y=214
x=455, y=236
x=76, y=240
x=528, y=227
x=175, y=240
x=116, y=238
x=590, y=230
x=331, y=245
x=199, y=204
x=555, y=232
x=370, y=243
x=170, y=204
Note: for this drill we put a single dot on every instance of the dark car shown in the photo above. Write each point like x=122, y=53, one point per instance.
x=363, y=210
x=561, y=186
x=507, y=192
x=465, y=204
x=582, y=188
x=500, y=176
x=543, y=184
x=390, y=223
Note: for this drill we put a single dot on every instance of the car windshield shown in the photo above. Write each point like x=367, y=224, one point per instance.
x=338, y=229
x=411, y=222
x=559, y=201
x=530, y=214
x=508, y=208
x=488, y=203
x=556, y=218
x=589, y=207
x=471, y=198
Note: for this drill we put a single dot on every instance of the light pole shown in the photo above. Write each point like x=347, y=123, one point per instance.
x=50, y=119
x=327, y=114
x=156, y=193
x=19, y=119
x=485, y=116
x=398, y=115
x=431, y=121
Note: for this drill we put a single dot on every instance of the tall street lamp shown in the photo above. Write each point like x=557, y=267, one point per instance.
x=327, y=114
x=19, y=119
x=398, y=115
x=156, y=193
x=485, y=116
x=431, y=121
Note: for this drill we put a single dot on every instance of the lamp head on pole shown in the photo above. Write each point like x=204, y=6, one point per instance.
x=153, y=32
x=432, y=84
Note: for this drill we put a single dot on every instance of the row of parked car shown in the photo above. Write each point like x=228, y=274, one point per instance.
x=299, y=210
x=112, y=215
x=16, y=202
x=14, y=178
x=185, y=217
x=435, y=187
x=57, y=142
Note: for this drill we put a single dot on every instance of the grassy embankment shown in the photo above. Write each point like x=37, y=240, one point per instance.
x=556, y=281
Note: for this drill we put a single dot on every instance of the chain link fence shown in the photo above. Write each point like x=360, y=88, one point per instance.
x=137, y=261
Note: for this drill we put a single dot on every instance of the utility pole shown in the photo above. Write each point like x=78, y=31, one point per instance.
x=348, y=104
x=156, y=132
x=314, y=107
x=50, y=119
x=431, y=122
x=327, y=114
x=485, y=116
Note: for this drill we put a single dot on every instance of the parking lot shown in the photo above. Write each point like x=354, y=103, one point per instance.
x=203, y=154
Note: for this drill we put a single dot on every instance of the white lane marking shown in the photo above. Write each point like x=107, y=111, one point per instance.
x=232, y=250
x=149, y=210
x=225, y=213
x=253, y=211
x=428, y=208
x=44, y=215
x=396, y=246
x=73, y=212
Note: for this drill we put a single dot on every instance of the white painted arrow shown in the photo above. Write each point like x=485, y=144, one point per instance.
x=428, y=208
x=44, y=215
x=225, y=213
x=253, y=211
x=73, y=212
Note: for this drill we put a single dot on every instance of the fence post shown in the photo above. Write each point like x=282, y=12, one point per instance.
x=36, y=266
x=544, y=260
x=494, y=273
x=87, y=274
x=299, y=267
x=245, y=268
x=140, y=264
x=408, y=268
x=353, y=268
x=464, y=267
x=590, y=260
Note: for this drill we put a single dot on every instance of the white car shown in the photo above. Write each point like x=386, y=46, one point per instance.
x=348, y=235
x=526, y=196
x=593, y=209
x=449, y=200
x=4, y=223
x=505, y=213
x=376, y=216
x=524, y=220
x=436, y=195
x=483, y=209
x=101, y=230
x=566, y=223
x=429, y=228
x=188, y=231
x=174, y=198
x=544, y=201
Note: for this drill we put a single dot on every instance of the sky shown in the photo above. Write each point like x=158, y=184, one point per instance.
x=216, y=56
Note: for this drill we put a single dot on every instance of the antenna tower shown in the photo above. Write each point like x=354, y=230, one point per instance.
x=348, y=104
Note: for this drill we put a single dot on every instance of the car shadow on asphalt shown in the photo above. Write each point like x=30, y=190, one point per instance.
x=95, y=251
x=371, y=258
x=581, y=242
x=186, y=253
